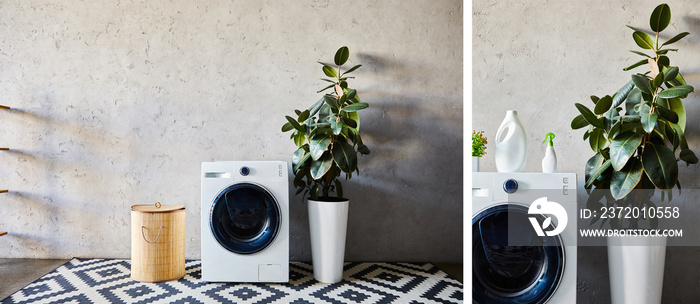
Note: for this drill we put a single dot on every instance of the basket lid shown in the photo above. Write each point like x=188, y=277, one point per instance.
x=157, y=208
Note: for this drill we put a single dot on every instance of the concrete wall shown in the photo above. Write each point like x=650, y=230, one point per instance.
x=539, y=57
x=117, y=103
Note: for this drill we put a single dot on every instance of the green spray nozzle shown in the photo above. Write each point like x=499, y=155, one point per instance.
x=549, y=137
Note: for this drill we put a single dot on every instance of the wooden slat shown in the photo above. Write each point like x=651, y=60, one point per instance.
x=5, y=149
x=4, y=107
x=4, y=191
x=2, y=233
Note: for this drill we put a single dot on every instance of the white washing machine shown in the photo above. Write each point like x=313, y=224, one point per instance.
x=504, y=272
x=245, y=221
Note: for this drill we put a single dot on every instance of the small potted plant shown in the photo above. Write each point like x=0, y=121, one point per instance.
x=479, y=142
x=638, y=136
x=327, y=136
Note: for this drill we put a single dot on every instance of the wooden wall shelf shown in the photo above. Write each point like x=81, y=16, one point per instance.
x=2, y=233
x=4, y=191
x=4, y=107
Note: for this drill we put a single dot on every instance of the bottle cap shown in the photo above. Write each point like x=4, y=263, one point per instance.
x=549, y=137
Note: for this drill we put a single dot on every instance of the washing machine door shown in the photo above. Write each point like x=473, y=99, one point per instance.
x=245, y=218
x=513, y=274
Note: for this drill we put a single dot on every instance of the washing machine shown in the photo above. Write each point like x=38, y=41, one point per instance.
x=245, y=221
x=514, y=260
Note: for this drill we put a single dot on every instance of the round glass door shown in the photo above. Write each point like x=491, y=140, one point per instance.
x=245, y=218
x=513, y=274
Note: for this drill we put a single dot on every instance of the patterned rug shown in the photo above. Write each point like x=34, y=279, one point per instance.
x=108, y=281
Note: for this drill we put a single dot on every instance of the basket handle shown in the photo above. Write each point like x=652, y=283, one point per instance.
x=144, y=235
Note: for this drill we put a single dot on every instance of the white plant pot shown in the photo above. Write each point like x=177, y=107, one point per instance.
x=636, y=266
x=328, y=223
x=475, y=163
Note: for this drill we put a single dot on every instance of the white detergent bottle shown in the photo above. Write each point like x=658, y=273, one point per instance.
x=511, y=144
x=549, y=162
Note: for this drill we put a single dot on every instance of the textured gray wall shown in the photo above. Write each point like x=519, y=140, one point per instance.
x=118, y=103
x=539, y=57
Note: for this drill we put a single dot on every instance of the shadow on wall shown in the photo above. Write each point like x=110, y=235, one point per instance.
x=59, y=177
x=407, y=201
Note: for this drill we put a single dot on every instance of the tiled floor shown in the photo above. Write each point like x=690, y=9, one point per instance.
x=17, y=273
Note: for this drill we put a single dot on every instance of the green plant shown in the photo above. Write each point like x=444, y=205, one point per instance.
x=479, y=142
x=639, y=147
x=327, y=134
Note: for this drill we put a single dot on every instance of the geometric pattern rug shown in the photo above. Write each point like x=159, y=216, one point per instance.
x=108, y=281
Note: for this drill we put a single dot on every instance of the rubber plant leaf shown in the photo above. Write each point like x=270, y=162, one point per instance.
x=660, y=18
x=589, y=116
x=623, y=147
x=623, y=181
x=660, y=165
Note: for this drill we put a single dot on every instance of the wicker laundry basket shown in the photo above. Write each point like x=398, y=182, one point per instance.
x=157, y=242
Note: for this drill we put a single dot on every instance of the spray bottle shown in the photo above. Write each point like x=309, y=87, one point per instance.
x=549, y=162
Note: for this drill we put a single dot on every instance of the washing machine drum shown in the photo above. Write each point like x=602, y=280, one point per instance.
x=513, y=274
x=245, y=218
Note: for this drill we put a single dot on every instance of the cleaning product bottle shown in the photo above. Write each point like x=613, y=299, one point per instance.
x=549, y=162
x=511, y=144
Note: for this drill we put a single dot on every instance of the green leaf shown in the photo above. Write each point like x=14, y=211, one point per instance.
x=342, y=55
x=330, y=71
x=634, y=98
x=595, y=166
x=316, y=106
x=670, y=73
x=303, y=116
x=660, y=18
x=351, y=93
x=594, y=99
x=623, y=147
x=597, y=140
x=676, y=91
x=636, y=64
x=331, y=101
x=344, y=156
x=301, y=160
x=658, y=80
x=688, y=157
x=355, y=107
x=603, y=105
x=676, y=38
x=589, y=116
x=641, y=54
x=319, y=144
x=660, y=166
x=642, y=82
x=364, y=150
x=298, y=155
x=675, y=105
x=349, y=121
x=338, y=189
x=666, y=114
x=321, y=166
x=326, y=88
x=642, y=39
x=579, y=122
x=649, y=121
x=623, y=181
x=352, y=69
x=287, y=127
x=356, y=117
x=337, y=127
x=299, y=138
x=664, y=61
x=295, y=124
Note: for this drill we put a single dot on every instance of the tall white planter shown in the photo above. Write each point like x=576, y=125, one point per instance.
x=328, y=222
x=636, y=266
